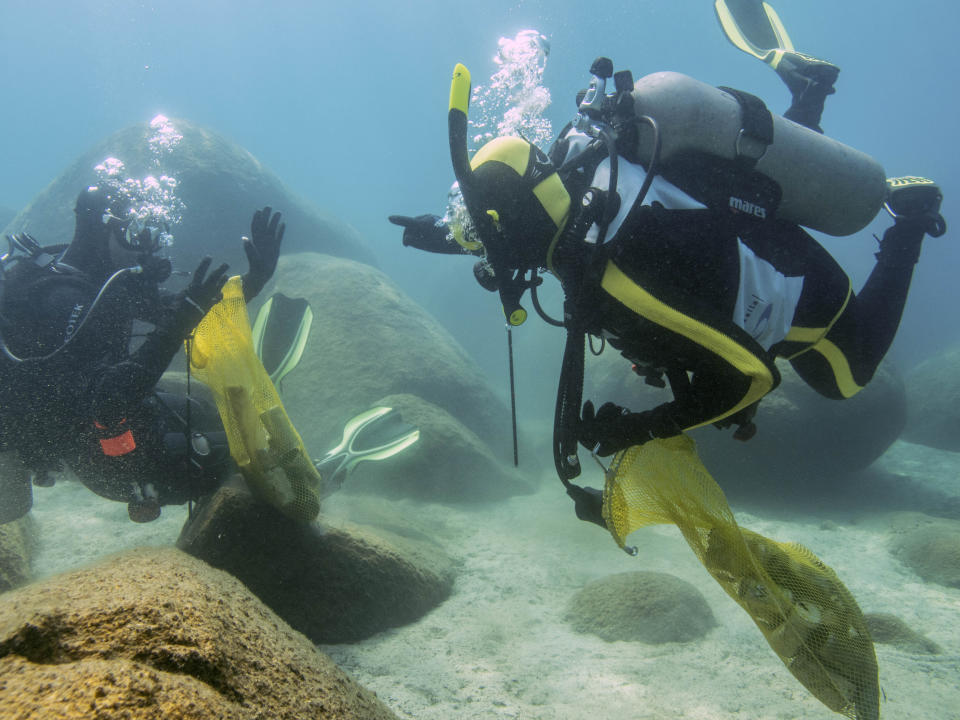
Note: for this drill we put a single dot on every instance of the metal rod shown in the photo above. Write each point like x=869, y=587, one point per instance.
x=513, y=395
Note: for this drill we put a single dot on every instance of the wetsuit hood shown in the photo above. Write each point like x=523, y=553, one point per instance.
x=98, y=214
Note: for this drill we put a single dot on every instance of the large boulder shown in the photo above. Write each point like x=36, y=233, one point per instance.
x=641, y=606
x=370, y=340
x=18, y=544
x=6, y=215
x=802, y=437
x=158, y=634
x=221, y=185
x=334, y=584
x=933, y=402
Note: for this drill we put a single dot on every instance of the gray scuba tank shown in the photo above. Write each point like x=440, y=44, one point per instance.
x=825, y=185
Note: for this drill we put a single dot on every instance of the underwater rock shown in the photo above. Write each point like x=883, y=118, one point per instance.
x=221, y=185
x=154, y=633
x=17, y=546
x=369, y=340
x=802, y=437
x=650, y=607
x=449, y=464
x=933, y=402
x=332, y=584
x=891, y=630
x=6, y=215
x=932, y=550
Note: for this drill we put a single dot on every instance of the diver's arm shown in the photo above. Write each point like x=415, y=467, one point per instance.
x=428, y=232
x=721, y=394
x=119, y=387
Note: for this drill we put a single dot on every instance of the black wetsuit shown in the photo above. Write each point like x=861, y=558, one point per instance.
x=665, y=295
x=78, y=406
x=676, y=291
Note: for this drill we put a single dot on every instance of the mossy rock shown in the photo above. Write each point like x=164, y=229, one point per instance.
x=650, y=607
x=17, y=547
x=932, y=551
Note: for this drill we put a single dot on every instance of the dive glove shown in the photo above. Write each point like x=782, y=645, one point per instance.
x=613, y=428
x=914, y=204
x=203, y=292
x=262, y=249
x=426, y=232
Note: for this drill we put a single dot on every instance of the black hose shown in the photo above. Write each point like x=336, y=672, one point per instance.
x=608, y=212
x=654, y=159
x=538, y=307
x=4, y=348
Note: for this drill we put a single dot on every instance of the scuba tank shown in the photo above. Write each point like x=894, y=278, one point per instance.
x=724, y=147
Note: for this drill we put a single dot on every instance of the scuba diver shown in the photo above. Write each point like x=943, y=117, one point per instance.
x=73, y=392
x=672, y=214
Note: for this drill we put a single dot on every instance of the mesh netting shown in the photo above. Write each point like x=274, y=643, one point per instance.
x=263, y=442
x=806, y=614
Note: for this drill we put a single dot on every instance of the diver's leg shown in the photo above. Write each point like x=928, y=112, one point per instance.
x=846, y=358
x=810, y=81
x=16, y=490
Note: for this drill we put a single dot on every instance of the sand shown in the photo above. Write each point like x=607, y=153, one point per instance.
x=498, y=648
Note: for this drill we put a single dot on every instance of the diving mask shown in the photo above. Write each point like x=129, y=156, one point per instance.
x=461, y=228
x=139, y=235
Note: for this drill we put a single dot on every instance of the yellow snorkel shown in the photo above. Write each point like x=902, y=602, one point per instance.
x=485, y=220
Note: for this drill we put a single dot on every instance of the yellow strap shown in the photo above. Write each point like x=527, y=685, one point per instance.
x=840, y=366
x=618, y=285
x=815, y=335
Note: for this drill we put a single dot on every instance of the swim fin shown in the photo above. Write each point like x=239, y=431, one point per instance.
x=754, y=27
x=280, y=334
x=374, y=434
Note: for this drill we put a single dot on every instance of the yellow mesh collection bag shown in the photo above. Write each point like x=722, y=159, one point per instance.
x=806, y=614
x=263, y=442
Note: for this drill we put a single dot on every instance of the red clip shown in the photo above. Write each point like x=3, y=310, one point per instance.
x=117, y=445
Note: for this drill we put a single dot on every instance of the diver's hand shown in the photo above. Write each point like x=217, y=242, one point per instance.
x=262, y=249
x=613, y=428
x=605, y=431
x=203, y=292
x=154, y=269
x=425, y=232
x=587, y=503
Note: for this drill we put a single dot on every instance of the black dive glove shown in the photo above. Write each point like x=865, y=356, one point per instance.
x=203, y=292
x=587, y=504
x=425, y=232
x=914, y=204
x=613, y=428
x=154, y=270
x=262, y=249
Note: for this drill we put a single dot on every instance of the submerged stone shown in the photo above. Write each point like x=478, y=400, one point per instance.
x=219, y=182
x=158, y=634
x=932, y=551
x=650, y=607
x=333, y=584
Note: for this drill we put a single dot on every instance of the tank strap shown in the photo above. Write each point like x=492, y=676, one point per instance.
x=756, y=126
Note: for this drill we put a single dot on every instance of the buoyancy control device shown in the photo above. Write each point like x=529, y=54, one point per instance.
x=724, y=148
